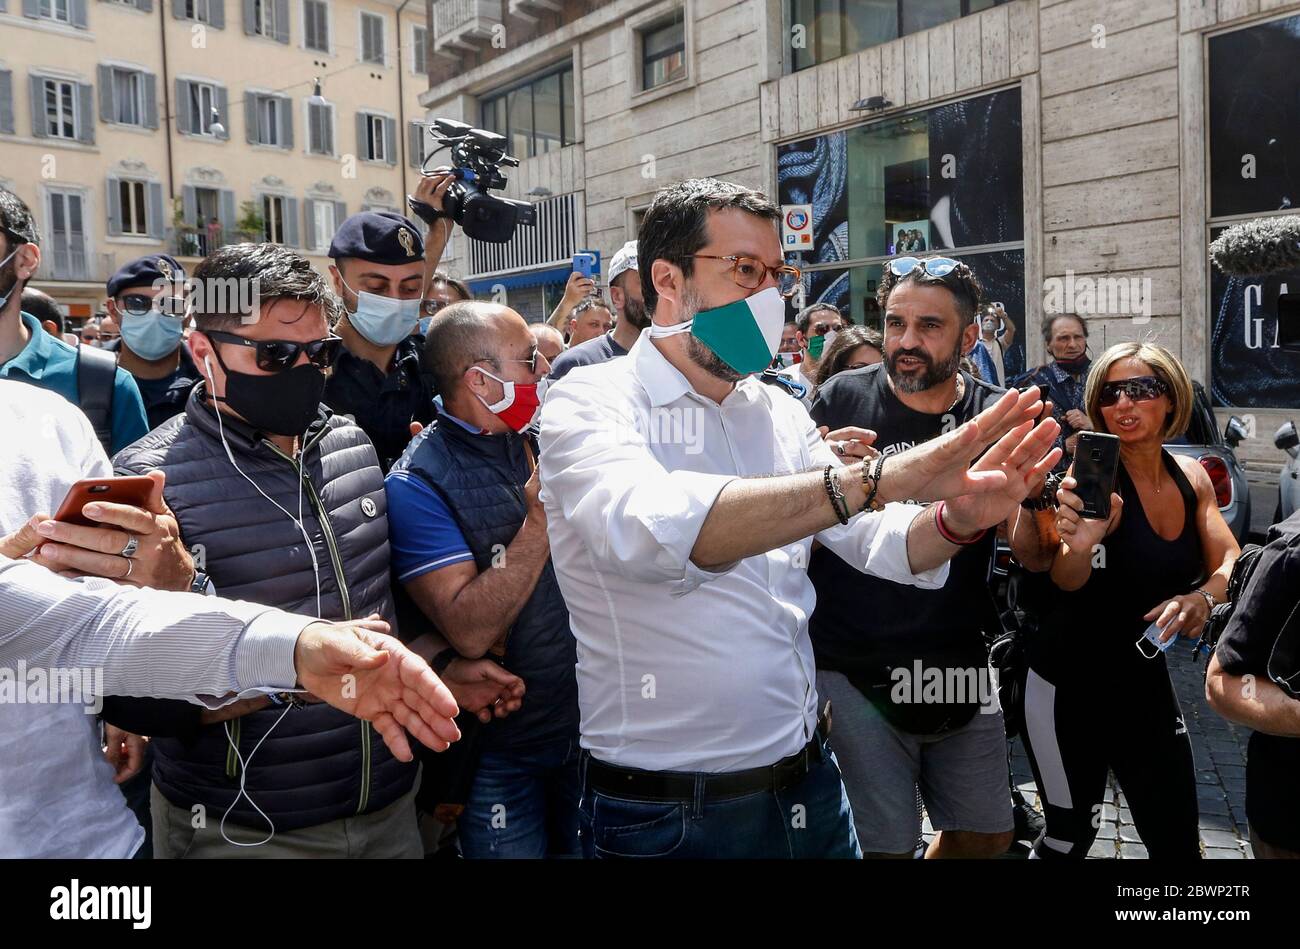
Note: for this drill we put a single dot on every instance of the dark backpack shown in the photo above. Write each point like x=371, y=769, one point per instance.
x=1242, y=571
x=96, y=374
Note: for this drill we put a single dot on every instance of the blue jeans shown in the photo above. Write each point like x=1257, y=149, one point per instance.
x=523, y=803
x=810, y=820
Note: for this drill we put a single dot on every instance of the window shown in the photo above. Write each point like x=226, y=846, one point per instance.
x=67, y=237
x=663, y=53
x=320, y=129
x=268, y=121
x=201, y=103
x=273, y=217
x=323, y=223
x=198, y=10
x=264, y=18
x=375, y=150
x=135, y=217
x=372, y=38
x=60, y=108
x=56, y=10
x=419, y=37
x=536, y=116
x=128, y=97
x=823, y=30
x=316, y=27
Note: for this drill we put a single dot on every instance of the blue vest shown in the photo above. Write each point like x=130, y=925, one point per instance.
x=481, y=479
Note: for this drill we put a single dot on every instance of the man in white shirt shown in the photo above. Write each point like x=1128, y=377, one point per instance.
x=682, y=498
x=57, y=794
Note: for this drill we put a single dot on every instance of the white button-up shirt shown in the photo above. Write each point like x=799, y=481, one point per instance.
x=681, y=669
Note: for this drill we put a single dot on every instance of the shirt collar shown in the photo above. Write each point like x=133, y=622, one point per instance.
x=31, y=360
x=472, y=429
x=664, y=382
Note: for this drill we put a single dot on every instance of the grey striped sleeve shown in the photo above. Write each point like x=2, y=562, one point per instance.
x=147, y=642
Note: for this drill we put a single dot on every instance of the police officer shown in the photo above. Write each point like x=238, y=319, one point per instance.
x=379, y=271
x=146, y=298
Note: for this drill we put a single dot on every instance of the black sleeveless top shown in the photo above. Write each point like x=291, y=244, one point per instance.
x=1093, y=630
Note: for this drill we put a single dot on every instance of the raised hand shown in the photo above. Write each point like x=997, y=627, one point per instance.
x=1026, y=456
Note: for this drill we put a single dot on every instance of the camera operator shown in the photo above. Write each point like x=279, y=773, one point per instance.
x=1240, y=685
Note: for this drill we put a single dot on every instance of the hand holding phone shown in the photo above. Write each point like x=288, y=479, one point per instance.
x=1096, y=468
x=133, y=490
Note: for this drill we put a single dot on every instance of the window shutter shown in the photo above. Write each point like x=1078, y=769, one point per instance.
x=182, y=107
x=154, y=217
x=362, y=152
x=38, y=106
x=285, y=114
x=291, y=222
x=223, y=108
x=6, y=101
x=308, y=224
x=150, y=100
x=390, y=141
x=250, y=18
x=145, y=6
x=413, y=143
x=226, y=216
x=86, y=107
x=31, y=8
x=281, y=21
x=250, y=118
x=340, y=215
x=217, y=14
x=114, y=206
x=106, y=113
x=77, y=11
x=190, y=206
x=178, y=9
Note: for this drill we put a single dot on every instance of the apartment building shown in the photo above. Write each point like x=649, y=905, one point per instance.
x=138, y=126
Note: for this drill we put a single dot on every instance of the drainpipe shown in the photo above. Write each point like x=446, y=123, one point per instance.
x=167, y=113
x=401, y=113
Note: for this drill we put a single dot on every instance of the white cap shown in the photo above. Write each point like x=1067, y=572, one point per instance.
x=624, y=260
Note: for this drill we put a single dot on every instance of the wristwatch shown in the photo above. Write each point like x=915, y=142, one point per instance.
x=442, y=660
x=1210, y=601
x=286, y=698
x=202, y=583
x=1045, y=500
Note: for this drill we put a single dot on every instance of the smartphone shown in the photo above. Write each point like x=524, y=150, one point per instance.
x=1096, y=466
x=585, y=264
x=133, y=490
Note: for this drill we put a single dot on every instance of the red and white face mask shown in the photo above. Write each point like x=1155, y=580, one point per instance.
x=518, y=404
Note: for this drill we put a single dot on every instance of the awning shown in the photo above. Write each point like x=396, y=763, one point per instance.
x=531, y=278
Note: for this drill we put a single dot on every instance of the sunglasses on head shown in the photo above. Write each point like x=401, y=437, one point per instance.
x=276, y=355
x=142, y=304
x=934, y=266
x=1138, y=389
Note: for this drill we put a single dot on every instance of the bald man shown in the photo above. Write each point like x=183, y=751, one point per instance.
x=549, y=340
x=469, y=545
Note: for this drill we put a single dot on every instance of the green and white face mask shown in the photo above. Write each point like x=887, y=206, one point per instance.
x=745, y=334
x=819, y=344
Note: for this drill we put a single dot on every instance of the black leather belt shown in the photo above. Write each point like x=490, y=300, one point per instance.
x=680, y=785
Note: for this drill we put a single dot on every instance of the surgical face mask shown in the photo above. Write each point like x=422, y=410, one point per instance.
x=8, y=293
x=153, y=335
x=744, y=334
x=384, y=321
x=519, y=403
x=819, y=344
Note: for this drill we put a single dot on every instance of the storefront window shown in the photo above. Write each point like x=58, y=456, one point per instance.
x=948, y=179
x=1254, y=109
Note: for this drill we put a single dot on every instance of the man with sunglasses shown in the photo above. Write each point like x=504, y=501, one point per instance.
x=682, y=498
x=147, y=298
x=107, y=394
x=378, y=270
x=816, y=327
x=470, y=547
x=285, y=501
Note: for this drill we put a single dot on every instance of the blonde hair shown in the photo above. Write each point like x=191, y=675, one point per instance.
x=1164, y=366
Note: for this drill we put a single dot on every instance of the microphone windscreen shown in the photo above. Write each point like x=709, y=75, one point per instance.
x=1260, y=247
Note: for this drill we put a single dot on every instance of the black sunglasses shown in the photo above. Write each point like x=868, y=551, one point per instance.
x=276, y=355
x=1138, y=389
x=141, y=304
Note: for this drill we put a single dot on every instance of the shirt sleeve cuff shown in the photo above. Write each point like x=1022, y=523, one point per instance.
x=264, y=659
x=887, y=557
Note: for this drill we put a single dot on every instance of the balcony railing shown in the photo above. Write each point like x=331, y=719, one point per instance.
x=187, y=241
x=73, y=263
x=464, y=24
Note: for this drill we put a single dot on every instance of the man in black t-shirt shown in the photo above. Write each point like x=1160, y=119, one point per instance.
x=905, y=669
x=1259, y=647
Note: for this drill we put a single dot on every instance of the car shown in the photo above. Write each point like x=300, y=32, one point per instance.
x=1217, y=454
x=1288, y=482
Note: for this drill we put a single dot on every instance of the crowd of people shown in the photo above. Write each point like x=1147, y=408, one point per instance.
x=666, y=574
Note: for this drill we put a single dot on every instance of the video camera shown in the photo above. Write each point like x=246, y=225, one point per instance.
x=477, y=156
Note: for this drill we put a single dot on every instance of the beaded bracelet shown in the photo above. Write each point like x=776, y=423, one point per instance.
x=871, y=484
x=838, y=504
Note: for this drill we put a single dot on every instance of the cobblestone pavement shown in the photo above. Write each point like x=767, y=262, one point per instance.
x=1219, y=751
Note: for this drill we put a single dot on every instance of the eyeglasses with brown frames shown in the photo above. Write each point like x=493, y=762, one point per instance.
x=750, y=272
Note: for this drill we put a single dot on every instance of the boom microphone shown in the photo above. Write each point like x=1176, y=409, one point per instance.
x=1263, y=246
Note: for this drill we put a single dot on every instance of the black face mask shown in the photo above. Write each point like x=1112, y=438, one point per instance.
x=284, y=403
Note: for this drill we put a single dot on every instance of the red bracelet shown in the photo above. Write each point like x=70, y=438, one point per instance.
x=948, y=535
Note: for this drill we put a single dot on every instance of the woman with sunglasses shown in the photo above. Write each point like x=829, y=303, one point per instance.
x=1098, y=695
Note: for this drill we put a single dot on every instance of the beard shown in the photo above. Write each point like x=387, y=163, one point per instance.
x=930, y=375
x=700, y=354
x=634, y=313
x=9, y=282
